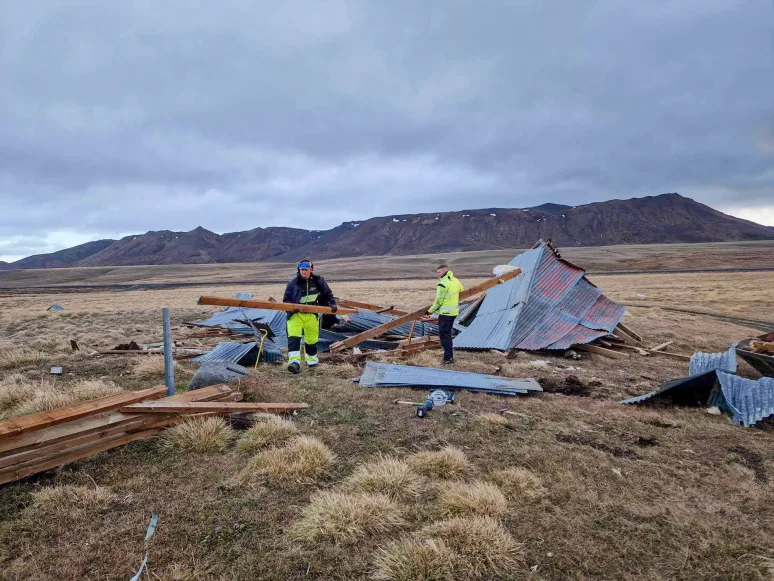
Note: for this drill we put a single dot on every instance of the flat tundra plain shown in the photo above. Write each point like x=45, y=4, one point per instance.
x=574, y=486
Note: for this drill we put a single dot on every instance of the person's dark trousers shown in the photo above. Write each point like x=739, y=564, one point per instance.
x=445, y=323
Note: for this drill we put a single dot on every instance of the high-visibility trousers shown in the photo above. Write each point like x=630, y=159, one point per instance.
x=308, y=325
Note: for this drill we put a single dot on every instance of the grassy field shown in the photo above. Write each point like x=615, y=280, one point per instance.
x=470, y=264
x=574, y=486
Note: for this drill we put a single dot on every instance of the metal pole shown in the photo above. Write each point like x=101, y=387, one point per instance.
x=169, y=372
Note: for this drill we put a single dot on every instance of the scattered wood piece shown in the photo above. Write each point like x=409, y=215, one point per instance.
x=369, y=307
x=76, y=411
x=130, y=352
x=629, y=332
x=74, y=345
x=625, y=337
x=762, y=346
x=376, y=331
x=661, y=347
x=213, y=407
x=601, y=351
x=288, y=307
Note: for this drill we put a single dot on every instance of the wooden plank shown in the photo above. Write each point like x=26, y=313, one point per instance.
x=376, y=331
x=131, y=352
x=27, y=469
x=97, y=422
x=762, y=346
x=601, y=351
x=288, y=307
x=672, y=355
x=661, y=347
x=411, y=332
x=629, y=332
x=76, y=411
x=621, y=334
x=369, y=307
x=214, y=407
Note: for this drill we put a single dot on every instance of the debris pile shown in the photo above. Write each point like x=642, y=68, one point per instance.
x=37, y=442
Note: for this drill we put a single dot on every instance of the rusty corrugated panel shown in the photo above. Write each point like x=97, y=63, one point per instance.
x=578, y=336
x=604, y=315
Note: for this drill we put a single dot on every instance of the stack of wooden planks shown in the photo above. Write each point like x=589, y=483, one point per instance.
x=38, y=442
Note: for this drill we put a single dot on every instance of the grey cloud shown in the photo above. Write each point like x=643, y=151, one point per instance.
x=121, y=117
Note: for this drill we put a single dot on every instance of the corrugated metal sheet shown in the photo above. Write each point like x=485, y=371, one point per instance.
x=748, y=401
x=549, y=306
x=227, y=351
x=694, y=390
x=364, y=320
x=703, y=362
x=391, y=375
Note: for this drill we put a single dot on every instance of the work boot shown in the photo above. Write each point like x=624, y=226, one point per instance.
x=294, y=367
x=448, y=361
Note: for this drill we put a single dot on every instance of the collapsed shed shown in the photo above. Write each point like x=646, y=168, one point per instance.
x=551, y=305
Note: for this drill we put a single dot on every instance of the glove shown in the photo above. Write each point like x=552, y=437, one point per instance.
x=428, y=314
x=334, y=308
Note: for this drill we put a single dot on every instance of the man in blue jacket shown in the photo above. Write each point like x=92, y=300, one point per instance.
x=306, y=288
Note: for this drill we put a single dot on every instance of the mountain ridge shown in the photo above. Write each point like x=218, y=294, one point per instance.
x=666, y=218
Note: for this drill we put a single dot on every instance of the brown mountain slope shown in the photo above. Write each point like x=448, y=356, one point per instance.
x=650, y=220
x=62, y=258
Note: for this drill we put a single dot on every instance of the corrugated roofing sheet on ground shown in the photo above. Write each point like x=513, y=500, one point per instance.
x=551, y=305
x=227, y=351
x=703, y=362
x=748, y=401
x=392, y=375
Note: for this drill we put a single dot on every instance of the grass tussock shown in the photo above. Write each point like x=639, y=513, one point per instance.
x=517, y=483
x=11, y=357
x=454, y=549
x=448, y=463
x=150, y=366
x=67, y=497
x=204, y=435
x=269, y=431
x=425, y=359
x=340, y=370
x=346, y=518
x=304, y=459
x=474, y=499
x=494, y=419
x=389, y=476
x=20, y=396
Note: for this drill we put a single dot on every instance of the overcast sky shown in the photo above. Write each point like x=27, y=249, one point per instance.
x=124, y=117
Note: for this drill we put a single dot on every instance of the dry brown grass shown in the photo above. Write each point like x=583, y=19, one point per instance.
x=493, y=418
x=11, y=357
x=201, y=434
x=268, y=431
x=389, y=476
x=303, y=460
x=474, y=499
x=66, y=497
x=341, y=370
x=448, y=463
x=20, y=396
x=346, y=518
x=150, y=366
x=459, y=548
x=517, y=483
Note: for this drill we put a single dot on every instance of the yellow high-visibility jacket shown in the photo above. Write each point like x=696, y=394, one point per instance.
x=447, y=296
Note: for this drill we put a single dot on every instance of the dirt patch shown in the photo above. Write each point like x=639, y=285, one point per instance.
x=646, y=441
x=752, y=460
x=571, y=385
x=130, y=346
x=616, y=451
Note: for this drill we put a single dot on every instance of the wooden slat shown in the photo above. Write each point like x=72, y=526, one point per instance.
x=76, y=411
x=251, y=304
x=762, y=346
x=629, y=332
x=214, y=407
x=92, y=424
x=601, y=351
x=624, y=336
x=376, y=331
x=27, y=469
x=661, y=347
x=369, y=307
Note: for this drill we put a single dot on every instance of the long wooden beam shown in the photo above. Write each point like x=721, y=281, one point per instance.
x=376, y=331
x=629, y=332
x=92, y=424
x=251, y=304
x=601, y=351
x=76, y=411
x=212, y=407
x=369, y=307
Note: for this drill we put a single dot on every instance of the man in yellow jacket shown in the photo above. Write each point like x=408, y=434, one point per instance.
x=447, y=304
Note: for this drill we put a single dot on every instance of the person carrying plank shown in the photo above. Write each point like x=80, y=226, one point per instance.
x=306, y=288
x=447, y=304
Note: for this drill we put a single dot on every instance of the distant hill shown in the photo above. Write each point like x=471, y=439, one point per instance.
x=62, y=258
x=6, y=265
x=650, y=220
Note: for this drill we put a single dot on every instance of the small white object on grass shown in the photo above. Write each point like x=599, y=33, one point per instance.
x=617, y=472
